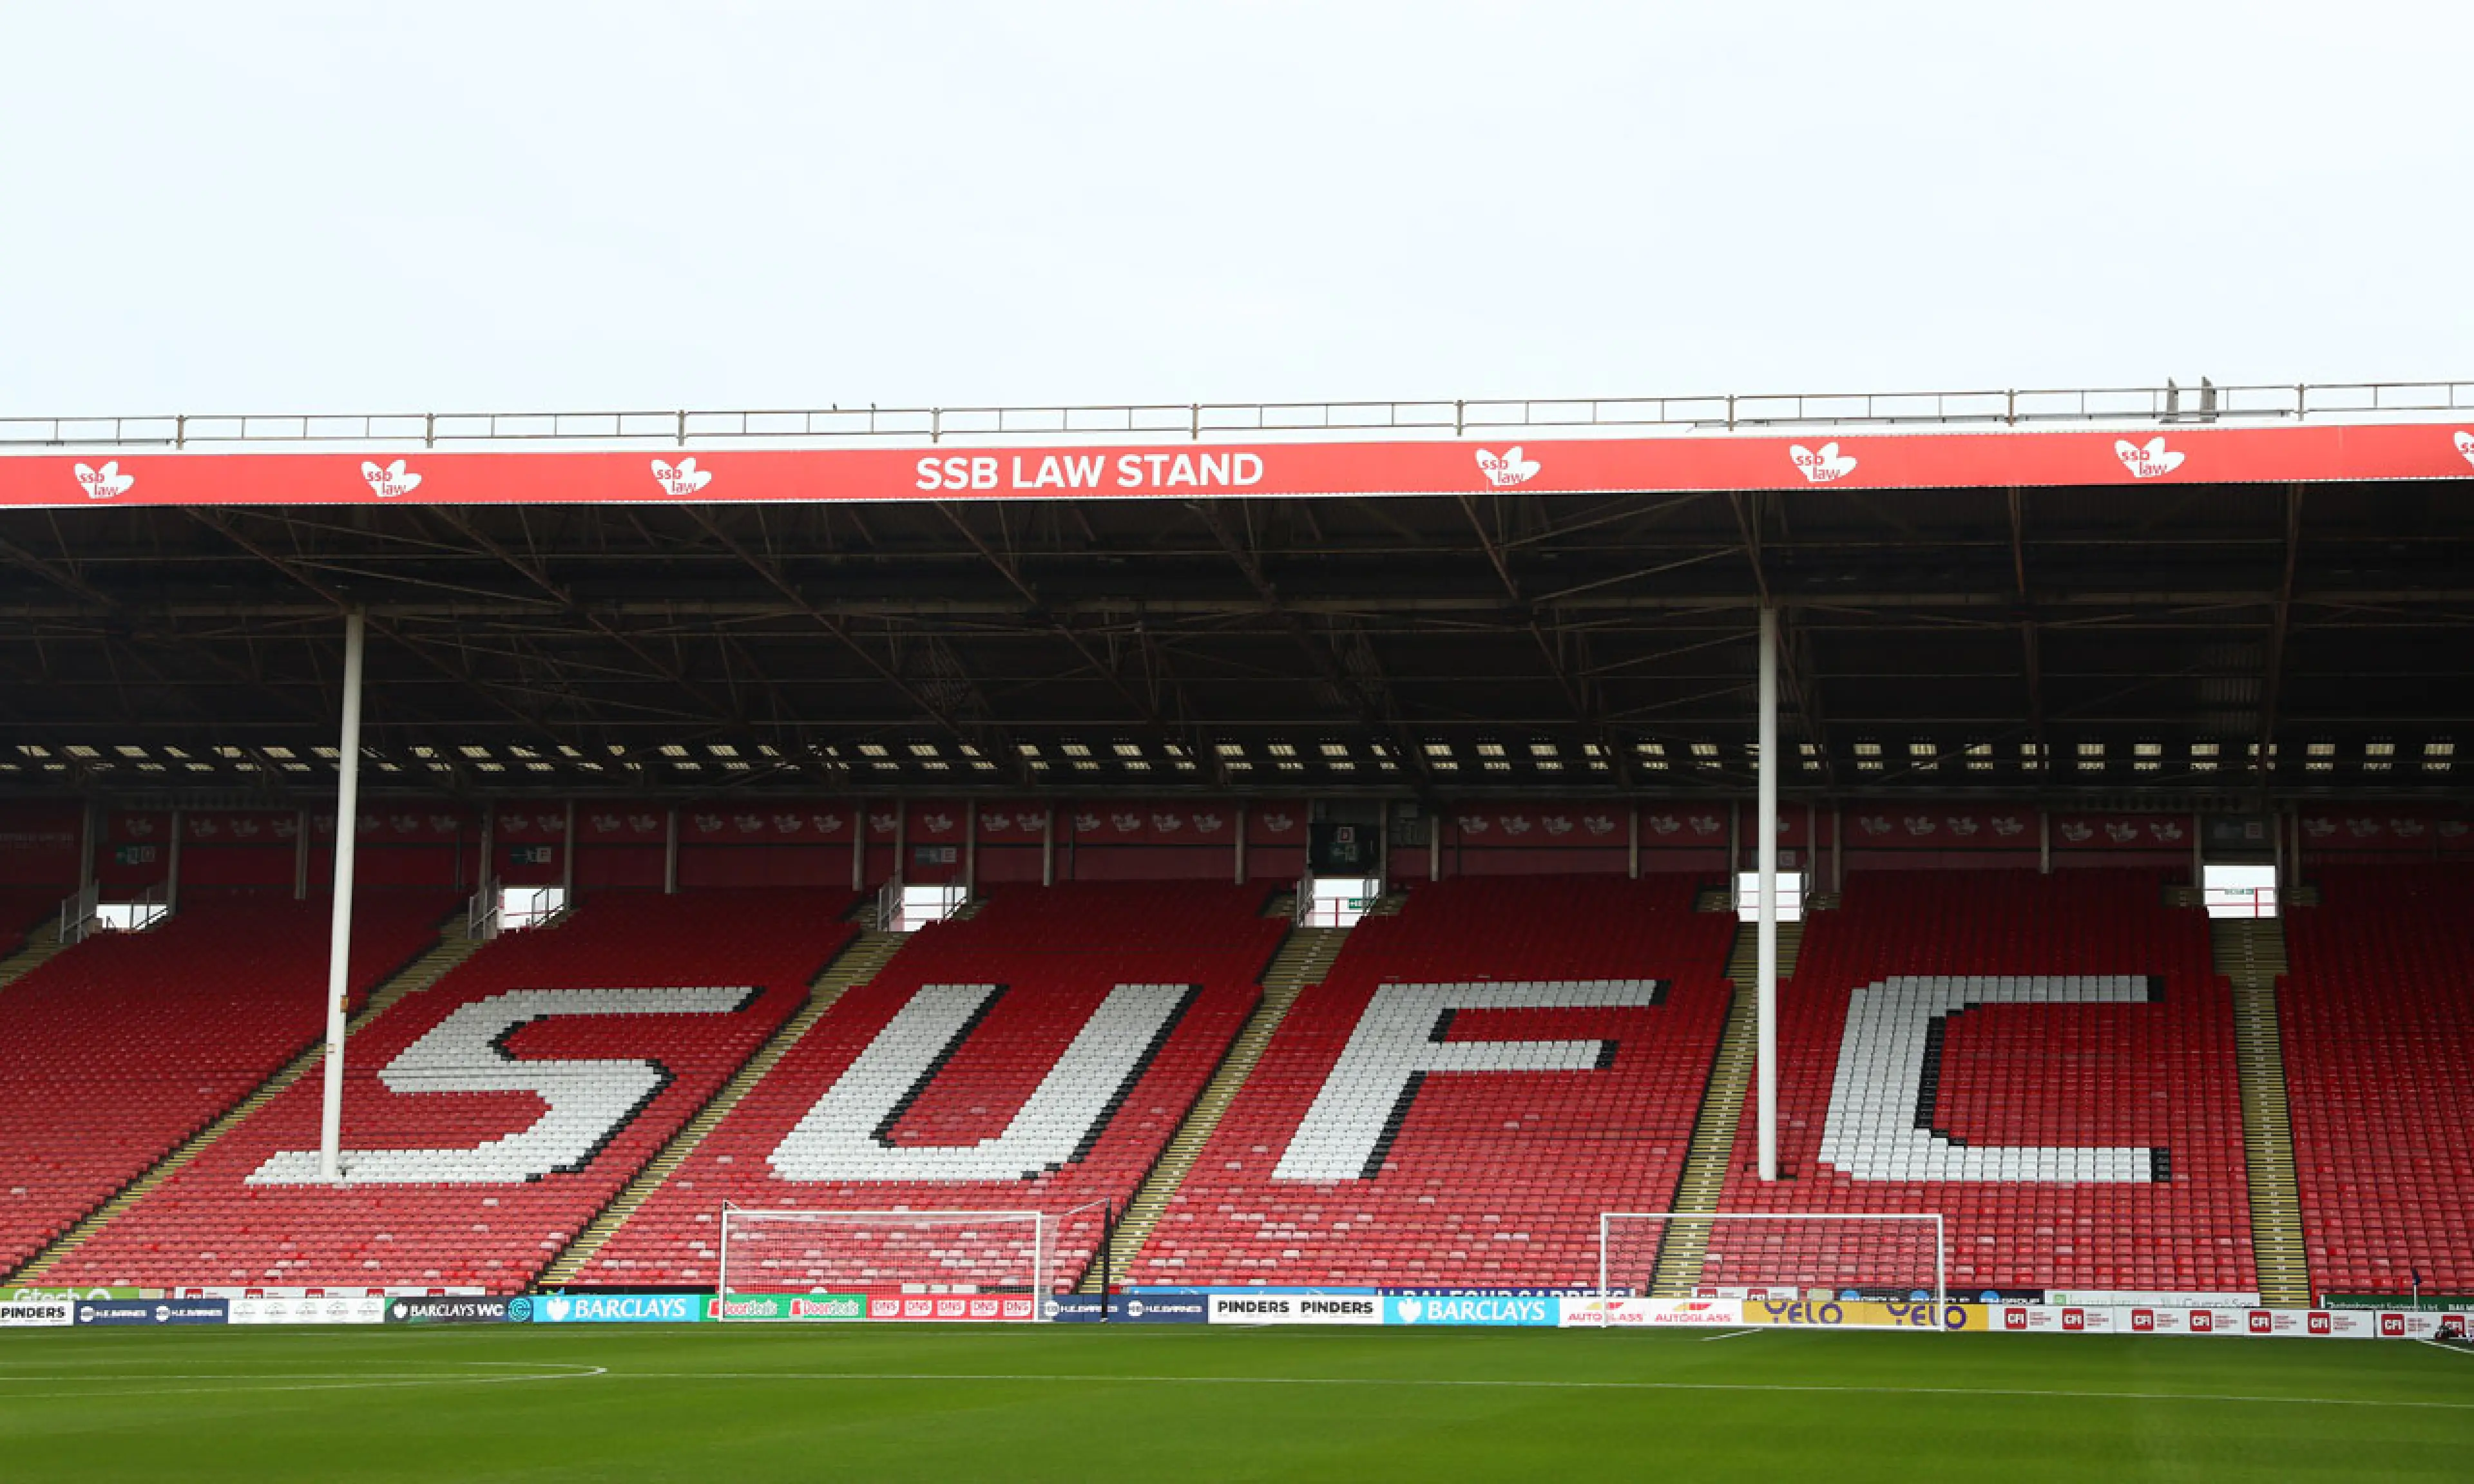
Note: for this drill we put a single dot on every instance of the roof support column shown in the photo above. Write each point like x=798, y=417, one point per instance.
x=339, y=937
x=1765, y=853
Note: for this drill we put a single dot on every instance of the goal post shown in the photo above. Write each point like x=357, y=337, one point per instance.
x=1890, y=1260
x=848, y=1264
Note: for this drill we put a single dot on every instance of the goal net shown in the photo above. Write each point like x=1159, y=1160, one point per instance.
x=885, y=1264
x=1851, y=1270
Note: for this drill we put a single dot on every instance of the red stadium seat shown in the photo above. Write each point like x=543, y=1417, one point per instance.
x=2153, y=1075
x=213, y=1224
x=1487, y=1176
x=2377, y=1015
x=119, y=1048
x=1057, y=952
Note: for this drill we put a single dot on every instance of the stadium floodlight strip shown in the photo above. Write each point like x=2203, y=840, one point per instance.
x=1606, y=1221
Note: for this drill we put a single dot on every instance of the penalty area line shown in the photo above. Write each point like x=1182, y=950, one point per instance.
x=1732, y=1334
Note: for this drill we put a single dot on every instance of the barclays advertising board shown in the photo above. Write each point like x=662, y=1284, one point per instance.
x=612, y=1309
x=1536, y=1309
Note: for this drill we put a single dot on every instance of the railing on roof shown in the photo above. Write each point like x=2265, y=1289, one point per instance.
x=2008, y=408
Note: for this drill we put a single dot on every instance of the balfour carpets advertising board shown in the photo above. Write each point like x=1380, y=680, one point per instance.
x=306, y=1309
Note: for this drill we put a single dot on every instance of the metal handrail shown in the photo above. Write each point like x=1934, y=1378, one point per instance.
x=2008, y=407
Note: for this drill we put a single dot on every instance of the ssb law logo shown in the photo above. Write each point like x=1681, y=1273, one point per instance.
x=1507, y=468
x=101, y=484
x=391, y=481
x=2150, y=459
x=1821, y=466
x=680, y=480
x=2466, y=445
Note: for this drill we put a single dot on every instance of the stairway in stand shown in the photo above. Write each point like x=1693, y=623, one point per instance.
x=2250, y=951
x=864, y=959
x=38, y=949
x=414, y=977
x=1302, y=962
x=1682, y=1249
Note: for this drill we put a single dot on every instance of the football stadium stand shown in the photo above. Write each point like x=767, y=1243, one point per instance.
x=1035, y=1056
x=2048, y=1060
x=1477, y=1079
x=490, y=1117
x=2377, y=1012
x=122, y=1047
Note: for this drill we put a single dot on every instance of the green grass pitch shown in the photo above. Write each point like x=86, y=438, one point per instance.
x=725, y=1403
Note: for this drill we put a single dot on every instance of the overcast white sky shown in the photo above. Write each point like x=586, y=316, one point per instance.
x=319, y=207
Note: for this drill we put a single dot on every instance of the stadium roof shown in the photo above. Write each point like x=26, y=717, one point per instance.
x=1982, y=598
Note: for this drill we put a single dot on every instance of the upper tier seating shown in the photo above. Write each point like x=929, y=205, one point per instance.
x=2378, y=1021
x=2074, y=1133
x=124, y=1045
x=469, y=1168
x=1034, y=1057
x=1380, y=1140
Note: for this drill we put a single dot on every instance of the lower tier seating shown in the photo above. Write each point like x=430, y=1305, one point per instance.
x=2377, y=1018
x=2047, y=1062
x=119, y=1048
x=1475, y=1081
x=1034, y=1057
x=487, y=1119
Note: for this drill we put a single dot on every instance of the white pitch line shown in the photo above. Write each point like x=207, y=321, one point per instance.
x=247, y=1385
x=1088, y=1378
x=1732, y=1334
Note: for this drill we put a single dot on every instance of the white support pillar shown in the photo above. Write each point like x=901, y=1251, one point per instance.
x=1435, y=849
x=300, y=855
x=2198, y=852
x=1241, y=842
x=1632, y=837
x=567, y=858
x=970, y=848
x=1047, y=846
x=339, y=937
x=671, y=853
x=172, y=866
x=858, y=845
x=1765, y=850
x=2044, y=840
